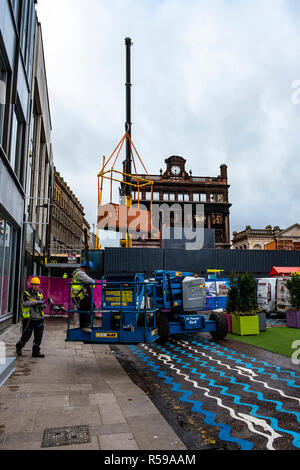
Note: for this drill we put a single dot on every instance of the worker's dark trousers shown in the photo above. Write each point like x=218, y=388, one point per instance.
x=28, y=327
x=84, y=318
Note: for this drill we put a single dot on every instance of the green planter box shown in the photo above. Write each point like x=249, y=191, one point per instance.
x=245, y=325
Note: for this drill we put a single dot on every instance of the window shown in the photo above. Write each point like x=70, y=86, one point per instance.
x=8, y=253
x=2, y=243
x=16, y=149
x=217, y=219
x=16, y=5
x=3, y=85
x=31, y=163
x=219, y=237
x=196, y=197
x=203, y=197
x=219, y=197
x=24, y=26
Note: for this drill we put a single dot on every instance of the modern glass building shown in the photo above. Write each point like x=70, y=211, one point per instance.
x=17, y=39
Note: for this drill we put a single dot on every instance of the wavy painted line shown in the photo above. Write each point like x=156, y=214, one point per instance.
x=240, y=370
x=290, y=383
x=254, y=408
x=246, y=387
x=197, y=406
x=253, y=359
x=248, y=420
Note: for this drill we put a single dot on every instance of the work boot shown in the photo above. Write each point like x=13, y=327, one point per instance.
x=86, y=330
x=38, y=355
x=18, y=350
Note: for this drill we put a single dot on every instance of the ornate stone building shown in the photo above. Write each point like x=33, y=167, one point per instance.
x=288, y=239
x=176, y=185
x=254, y=239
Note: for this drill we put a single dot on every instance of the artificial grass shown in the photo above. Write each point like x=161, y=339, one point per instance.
x=277, y=340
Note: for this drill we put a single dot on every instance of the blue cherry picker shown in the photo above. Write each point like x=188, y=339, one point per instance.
x=135, y=310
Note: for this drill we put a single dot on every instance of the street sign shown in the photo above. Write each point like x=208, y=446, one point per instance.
x=72, y=259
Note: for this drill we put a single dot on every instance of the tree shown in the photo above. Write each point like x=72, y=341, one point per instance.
x=293, y=286
x=242, y=294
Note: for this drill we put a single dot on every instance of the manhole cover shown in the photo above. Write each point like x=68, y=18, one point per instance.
x=65, y=436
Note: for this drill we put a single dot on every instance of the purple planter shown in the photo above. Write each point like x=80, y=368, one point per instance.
x=293, y=318
x=229, y=322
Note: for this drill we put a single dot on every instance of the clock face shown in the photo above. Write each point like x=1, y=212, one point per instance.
x=175, y=170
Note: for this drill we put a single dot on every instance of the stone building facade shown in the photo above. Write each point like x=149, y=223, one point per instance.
x=254, y=239
x=177, y=186
x=67, y=220
x=288, y=239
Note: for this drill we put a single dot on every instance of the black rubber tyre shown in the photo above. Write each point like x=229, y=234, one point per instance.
x=163, y=329
x=222, y=326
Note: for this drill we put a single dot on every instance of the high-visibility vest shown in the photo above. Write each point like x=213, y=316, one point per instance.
x=26, y=310
x=77, y=289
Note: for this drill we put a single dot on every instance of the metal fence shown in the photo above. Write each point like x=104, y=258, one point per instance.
x=148, y=260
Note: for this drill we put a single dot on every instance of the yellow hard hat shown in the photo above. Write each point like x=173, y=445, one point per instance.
x=36, y=281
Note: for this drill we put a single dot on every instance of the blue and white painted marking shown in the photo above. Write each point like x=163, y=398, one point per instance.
x=267, y=426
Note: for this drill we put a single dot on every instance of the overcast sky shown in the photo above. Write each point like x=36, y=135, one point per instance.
x=212, y=82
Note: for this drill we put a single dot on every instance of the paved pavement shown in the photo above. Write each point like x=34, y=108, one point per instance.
x=76, y=385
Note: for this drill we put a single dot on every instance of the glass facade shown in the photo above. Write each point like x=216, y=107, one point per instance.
x=8, y=255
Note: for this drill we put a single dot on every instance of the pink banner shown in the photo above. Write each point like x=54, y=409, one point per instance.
x=58, y=290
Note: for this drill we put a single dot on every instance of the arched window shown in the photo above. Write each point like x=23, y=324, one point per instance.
x=257, y=246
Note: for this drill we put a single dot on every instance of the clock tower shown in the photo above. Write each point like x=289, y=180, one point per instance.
x=175, y=167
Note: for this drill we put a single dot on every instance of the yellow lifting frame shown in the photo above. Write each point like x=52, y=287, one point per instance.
x=138, y=184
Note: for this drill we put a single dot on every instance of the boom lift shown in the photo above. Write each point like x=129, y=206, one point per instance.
x=135, y=310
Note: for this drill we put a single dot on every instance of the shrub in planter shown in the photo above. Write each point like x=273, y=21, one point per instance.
x=242, y=304
x=293, y=314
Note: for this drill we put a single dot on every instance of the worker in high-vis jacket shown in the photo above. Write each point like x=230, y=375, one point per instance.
x=33, y=318
x=81, y=295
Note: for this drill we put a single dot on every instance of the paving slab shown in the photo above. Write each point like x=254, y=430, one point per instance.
x=102, y=398
x=137, y=406
x=111, y=413
x=122, y=441
x=150, y=433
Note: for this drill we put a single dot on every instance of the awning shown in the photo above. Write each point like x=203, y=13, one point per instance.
x=283, y=271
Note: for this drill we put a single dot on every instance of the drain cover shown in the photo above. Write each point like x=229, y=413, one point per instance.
x=65, y=436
